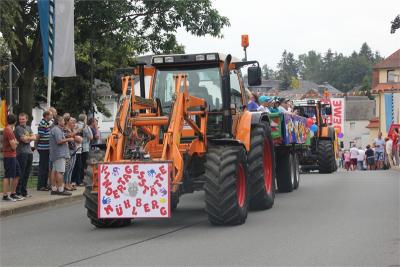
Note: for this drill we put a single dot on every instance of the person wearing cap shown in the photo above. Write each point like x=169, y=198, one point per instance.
x=274, y=105
x=263, y=104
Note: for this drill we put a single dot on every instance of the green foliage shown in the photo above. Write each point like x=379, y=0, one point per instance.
x=287, y=68
x=395, y=24
x=115, y=31
x=267, y=73
x=340, y=71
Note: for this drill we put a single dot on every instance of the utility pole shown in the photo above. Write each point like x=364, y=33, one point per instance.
x=10, y=82
x=91, y=78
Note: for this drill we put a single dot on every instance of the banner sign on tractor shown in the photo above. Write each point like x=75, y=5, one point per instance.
x=296, y=129
x=134, y=190
x=337, y=118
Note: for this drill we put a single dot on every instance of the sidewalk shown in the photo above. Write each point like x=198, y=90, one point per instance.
x=38, y=200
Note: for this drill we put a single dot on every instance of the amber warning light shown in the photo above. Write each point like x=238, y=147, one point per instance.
x=245, y=40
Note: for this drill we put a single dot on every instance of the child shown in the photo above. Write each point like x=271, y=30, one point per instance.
x=347, y=160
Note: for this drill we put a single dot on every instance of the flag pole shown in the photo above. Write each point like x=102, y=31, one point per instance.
x=49, y=83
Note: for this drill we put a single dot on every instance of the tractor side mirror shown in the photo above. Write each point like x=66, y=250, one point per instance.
x=328, y=111
x=254, y=75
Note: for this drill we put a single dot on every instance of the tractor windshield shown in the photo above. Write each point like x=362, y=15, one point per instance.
x=203, y=83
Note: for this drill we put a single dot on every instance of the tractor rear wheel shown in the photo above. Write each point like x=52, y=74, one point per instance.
x=261, y=161
x=296, y=170
x=92, y=205
x=226, y=187
x=284, y=175
x=326, y=156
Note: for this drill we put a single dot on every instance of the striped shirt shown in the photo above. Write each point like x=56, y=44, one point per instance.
x=44, y=134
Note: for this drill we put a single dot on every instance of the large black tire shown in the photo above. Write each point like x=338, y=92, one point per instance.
x=91, y=206
x=95, y=156
x=284, y=172
x=226, y=187
x=296, y=170
x=326, y=156
x=261, y=161
x=174, y=201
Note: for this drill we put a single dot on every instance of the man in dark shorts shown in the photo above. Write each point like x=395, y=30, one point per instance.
x=11, y=166
x=370, y=158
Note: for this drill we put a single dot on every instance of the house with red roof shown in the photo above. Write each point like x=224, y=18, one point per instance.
x=386, y=88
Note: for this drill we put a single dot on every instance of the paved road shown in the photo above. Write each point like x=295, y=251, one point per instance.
x=339, y=219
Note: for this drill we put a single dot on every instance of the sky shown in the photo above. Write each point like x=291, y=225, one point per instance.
x=300, y=26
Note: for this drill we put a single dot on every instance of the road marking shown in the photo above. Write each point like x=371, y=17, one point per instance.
x=135, y=243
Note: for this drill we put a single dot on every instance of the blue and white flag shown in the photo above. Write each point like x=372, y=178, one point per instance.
x=57, y=31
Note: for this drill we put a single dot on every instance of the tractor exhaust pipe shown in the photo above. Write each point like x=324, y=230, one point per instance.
x=226, y=98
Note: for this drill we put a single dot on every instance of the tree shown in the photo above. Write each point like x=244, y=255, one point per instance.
x=287, y=68
x=310, y=66
x=395, y=24
x=115, y=30
x=268, y=74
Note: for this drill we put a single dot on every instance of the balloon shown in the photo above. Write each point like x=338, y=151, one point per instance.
x=309, y=122
x=340, y=135
x=314, y=128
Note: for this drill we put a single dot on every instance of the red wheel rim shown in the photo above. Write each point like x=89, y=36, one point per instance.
x=267, y=162
x=241, y=186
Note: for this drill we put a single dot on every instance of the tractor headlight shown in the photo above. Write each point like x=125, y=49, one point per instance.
x=169, y=59
x=158, y=60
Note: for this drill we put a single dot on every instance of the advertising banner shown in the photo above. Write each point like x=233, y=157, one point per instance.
x=134, y=190
x=337, y=118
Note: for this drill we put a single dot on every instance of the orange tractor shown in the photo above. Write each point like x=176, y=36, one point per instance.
x=190, y=116
x=324, y=144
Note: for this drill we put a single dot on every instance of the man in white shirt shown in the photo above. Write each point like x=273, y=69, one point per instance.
x=353, y=157
x=360, y=159
x=379, y=144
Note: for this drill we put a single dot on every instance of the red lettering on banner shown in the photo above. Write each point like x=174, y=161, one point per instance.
x=157, y=182
x=163, y=211
x=116, y=195
x=108, y=209
x=141, y=175
x=106, y=183
x=153, y=191
x=138, y=202
x=120, y=181
x=162, y=169
x=128, y=169
x=142, y=182
x=127, y=177
x=127, y=204
x=109, y=191
x=104, y=168
x=159, y=177
x=146, y=188
x=119, y=210
x=134, y=212
x=135, y=169
x=154, y=205
x=107, y=175
x=146, y=207
x=121, y=188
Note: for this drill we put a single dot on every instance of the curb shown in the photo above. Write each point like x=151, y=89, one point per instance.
x=40, y=205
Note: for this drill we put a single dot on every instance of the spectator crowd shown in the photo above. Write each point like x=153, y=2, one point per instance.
x=382, y=154
x=63, y=144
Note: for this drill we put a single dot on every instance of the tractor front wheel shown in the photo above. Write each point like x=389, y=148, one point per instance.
x=226, y=187
x=262, y=172
x=92, y=205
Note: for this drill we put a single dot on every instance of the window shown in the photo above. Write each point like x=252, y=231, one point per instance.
x=352, y=125
x=204, y=83
x=391, y=76
x=236, y=95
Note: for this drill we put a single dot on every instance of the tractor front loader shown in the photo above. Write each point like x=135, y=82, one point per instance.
x=195, y=121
